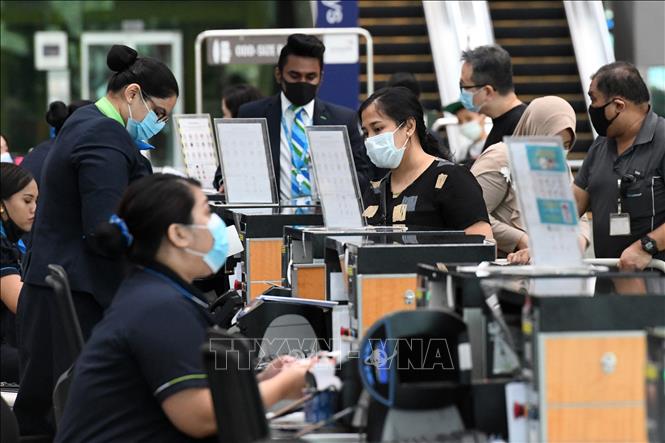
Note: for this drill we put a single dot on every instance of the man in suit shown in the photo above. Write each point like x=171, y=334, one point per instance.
x=299, y=73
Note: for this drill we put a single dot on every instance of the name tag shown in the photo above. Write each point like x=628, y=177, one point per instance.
x=619, y=224
x=441, y=179
x=399, y=213
x=370, y=211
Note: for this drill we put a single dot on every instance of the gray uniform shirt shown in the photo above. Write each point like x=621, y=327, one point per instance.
x=644, y=199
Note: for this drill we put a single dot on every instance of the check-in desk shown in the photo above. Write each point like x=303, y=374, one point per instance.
x=303, y=257
x=261, y=232
x=583, y=357
x=378, y=273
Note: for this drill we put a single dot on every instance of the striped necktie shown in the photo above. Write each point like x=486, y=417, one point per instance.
x=300, y=183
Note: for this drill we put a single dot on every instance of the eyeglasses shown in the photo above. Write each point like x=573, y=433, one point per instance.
x=162, y=115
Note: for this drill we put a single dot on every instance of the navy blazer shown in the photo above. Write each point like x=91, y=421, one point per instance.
x=88, y=168
x=34, y=160
x=325, y=113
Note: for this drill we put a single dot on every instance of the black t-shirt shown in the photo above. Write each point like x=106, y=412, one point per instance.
x=146, y=349
x=446, y=196
x=504, y=125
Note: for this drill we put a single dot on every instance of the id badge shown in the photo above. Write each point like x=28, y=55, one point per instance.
x=619, y=224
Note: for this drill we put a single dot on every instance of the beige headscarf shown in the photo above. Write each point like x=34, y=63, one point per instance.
x=546, y=116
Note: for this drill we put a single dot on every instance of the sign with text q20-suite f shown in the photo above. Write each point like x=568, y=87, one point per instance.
x=261, y=50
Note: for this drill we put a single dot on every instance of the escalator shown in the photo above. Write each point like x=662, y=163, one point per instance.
x=537, y=36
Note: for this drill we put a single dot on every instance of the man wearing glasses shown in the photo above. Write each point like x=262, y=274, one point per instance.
x=486, y=86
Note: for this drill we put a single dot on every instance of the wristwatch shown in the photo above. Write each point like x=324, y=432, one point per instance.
x=649, y=245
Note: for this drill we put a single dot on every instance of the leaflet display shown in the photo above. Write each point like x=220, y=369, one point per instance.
x=244, y=152
x=198, y=146
x=335, y=175
x=542, y=180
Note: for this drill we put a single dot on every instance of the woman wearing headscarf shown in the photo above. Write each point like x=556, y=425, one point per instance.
x=545, y=116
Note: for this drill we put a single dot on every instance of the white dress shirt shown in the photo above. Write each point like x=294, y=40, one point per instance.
x=285, y=149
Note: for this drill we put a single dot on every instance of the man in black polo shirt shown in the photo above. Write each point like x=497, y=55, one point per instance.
x=622, y=178
x=486, y=86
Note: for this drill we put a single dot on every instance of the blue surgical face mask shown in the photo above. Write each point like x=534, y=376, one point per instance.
x=216, y=256
x=382, y=151
x=146, y=128
x=466, y=97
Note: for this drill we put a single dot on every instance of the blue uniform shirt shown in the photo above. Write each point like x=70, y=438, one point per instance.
x=146, y=349
x=85, y=173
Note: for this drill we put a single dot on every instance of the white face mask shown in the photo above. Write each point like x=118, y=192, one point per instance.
x=6, y=157
x=471, y=130
x=382, y=151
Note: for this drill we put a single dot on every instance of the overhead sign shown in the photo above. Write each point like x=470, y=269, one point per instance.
x=251, y=50
x=264, y=50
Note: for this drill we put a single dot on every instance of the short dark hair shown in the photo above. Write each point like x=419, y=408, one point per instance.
x=406, y=79
x=12, y=179
x=621, y=79
x=400, y=104
x=491, y=66
x=237, y=95
x=304, y=46
x=148, y=207
x=154, y=77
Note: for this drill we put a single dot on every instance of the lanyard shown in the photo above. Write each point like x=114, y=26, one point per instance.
x=19, y=244
x=182, y=291
x=619, y=196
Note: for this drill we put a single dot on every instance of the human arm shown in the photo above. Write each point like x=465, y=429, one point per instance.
x=495, y=188
x=103, y=172
x=480, y=228
x=634, y=258
x=289, y=383
x=192, y=412
x=492, y=172
x=10, y=288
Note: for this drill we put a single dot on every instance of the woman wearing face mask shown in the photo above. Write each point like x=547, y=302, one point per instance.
x=17, y=212
x=95, y=157
x=545, y=116
x=140, y=376
x=420, y=189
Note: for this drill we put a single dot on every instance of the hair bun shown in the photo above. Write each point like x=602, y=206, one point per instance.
x=57, y=114
x=121, y=57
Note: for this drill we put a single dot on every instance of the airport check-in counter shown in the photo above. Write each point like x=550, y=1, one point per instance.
x=261, y=232
x=303, y=256
x=579, y=344
x=377, y=274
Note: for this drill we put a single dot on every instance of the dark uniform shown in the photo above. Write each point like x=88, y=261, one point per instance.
x=643, y=198
x=446, y=196
x=11, y=253
x=84, y=176
x=146, y=349
x=34, y=160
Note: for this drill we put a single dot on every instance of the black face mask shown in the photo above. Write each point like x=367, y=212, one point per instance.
x=299, y=93
x=599, y=121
